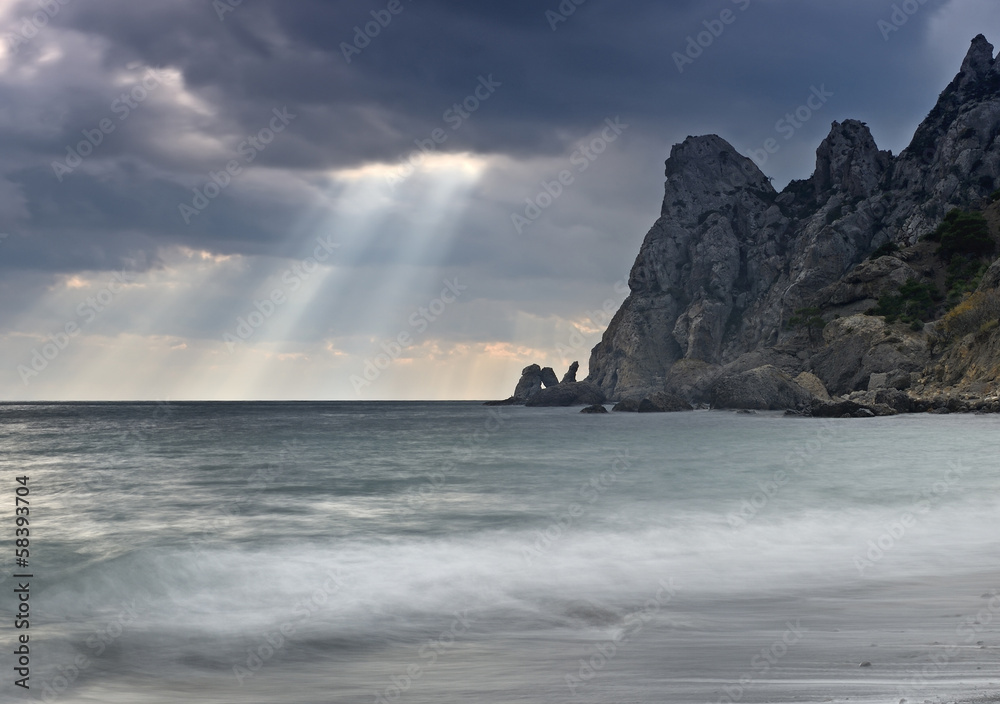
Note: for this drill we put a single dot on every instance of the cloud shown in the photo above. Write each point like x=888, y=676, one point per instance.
x=188, y=183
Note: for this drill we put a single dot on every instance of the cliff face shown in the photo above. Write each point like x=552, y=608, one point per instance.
x=696, y=270
x=730, y=261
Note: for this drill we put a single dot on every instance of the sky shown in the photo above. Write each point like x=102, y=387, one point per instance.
x=396, y=199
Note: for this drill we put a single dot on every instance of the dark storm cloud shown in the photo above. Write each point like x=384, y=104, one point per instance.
x=603, y=58
x=557, y=85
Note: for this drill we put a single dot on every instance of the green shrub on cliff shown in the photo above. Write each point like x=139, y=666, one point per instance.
x=915, y=302
x=809, y=318
x=885, y=250
x=963, y=276
x=965, y=234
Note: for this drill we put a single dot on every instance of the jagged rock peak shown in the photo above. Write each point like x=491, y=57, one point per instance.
x=711, y=156
x=849, y=160
x=978, y=75
x=978, y=61
x=977, y=82
x=699, y=166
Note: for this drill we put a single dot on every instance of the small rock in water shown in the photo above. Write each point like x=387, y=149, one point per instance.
x=865, y=664
x=596, y=408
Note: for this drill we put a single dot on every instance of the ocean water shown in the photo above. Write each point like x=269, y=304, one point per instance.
x=448, y=552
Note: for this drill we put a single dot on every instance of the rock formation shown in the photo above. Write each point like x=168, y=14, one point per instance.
x=529, y=384
x=738, y=289
x=843, y=295
x=569, y=392
x=763, y=388
x=549, y=378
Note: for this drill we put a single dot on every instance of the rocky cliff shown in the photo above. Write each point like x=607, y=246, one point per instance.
x=735, y=276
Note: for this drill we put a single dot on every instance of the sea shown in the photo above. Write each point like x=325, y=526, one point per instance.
x=450, y=552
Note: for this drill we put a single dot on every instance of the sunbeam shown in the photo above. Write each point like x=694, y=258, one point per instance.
x=352, y=218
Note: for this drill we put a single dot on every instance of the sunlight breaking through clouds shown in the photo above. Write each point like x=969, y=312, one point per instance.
x=263, y=334
x=396, y=175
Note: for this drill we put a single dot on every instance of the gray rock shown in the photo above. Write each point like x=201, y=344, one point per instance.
x=900, y=380
x=627, y=405
x=765, y=388
x=878, y=380
x=991, y=279
x=596, y=408
x=898, y=401
x=862, y=286
x=684, y=281
x=663, y=402
x=529, y=384
x=691, y=379
x=848, y=161
x=659, y=402
x=813, y=384
x=570, y=376
x=579, y=393
x=862, y=345
x=549, y=378
x=882, y=410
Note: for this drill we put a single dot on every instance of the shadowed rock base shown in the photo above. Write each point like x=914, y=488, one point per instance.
x=660, y=402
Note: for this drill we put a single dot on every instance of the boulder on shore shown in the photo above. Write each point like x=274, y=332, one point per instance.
x=765, y=388
x=813, y=384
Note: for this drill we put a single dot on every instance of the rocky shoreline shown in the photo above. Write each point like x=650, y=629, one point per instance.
x=760, y=389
